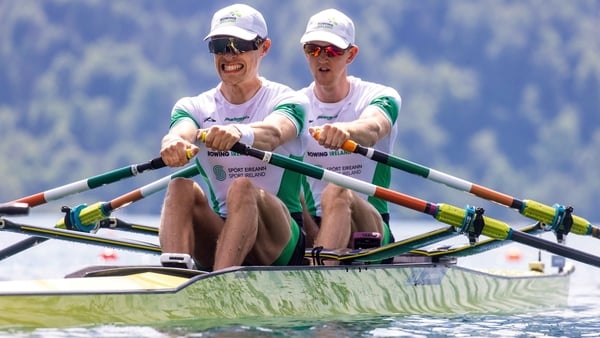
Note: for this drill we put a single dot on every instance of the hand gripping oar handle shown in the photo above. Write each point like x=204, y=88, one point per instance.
x=84, y=218
x=557, y=218
x=92, y=182
x=464, y=219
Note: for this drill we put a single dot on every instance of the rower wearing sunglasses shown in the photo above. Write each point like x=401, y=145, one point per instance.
x=342, y=108
x=250, y=212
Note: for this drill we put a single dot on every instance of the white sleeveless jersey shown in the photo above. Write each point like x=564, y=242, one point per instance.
x=361, y=94
x=220, y=168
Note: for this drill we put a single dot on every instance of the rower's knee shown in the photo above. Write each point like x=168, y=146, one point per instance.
x=336, y=195
x=241, y=187
x=184, y=192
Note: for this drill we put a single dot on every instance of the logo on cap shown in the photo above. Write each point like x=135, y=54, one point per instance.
x=232, y=18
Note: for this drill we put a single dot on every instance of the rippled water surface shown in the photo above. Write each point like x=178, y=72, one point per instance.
x=581, y=318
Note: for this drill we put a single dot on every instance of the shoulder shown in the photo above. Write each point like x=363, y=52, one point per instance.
x=283, y=94
x=203, y=97
x=372, y=88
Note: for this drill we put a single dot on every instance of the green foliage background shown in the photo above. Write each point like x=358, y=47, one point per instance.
x=505, y=94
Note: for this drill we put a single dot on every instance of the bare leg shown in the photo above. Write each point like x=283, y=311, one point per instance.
x=345, y=212
x=257, y=227
x=310, y=227
x=188, y=224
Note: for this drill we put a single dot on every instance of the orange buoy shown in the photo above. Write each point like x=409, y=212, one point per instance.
x=513, y=254
x=108, y=254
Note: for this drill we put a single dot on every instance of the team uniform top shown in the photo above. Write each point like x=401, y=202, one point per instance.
x=361, y=95
x=220, y=168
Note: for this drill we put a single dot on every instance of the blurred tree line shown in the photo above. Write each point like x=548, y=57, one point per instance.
x=505, y=94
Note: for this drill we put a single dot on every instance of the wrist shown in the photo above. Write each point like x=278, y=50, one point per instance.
x=246, y=133
x=172, y=140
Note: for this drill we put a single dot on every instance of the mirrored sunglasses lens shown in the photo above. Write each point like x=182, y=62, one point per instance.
x=312, y=50
x=333, y=51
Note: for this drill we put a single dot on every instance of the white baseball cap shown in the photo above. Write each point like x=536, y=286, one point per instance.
x=330, y=26
x=239, y=20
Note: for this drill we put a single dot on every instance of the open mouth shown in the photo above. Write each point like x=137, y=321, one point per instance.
x=228, y=68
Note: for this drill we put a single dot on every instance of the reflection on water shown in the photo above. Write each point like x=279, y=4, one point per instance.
x=55, y=258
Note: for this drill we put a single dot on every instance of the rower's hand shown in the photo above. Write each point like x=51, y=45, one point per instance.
x=330, y=136
x=178, y=152
x=220, y=138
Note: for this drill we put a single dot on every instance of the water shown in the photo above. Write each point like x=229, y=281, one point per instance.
x=55, y=258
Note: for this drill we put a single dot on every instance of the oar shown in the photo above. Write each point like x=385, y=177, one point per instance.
x=97, y=211
x=76, y=236
x=463, y=219
x=557, y=218
x=472, y=249
x=73, y=188
x=91, y=183
x=85, y=218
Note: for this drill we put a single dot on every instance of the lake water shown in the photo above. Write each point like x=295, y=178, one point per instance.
x=55, y=258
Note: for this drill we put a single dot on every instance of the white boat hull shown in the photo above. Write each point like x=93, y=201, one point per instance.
x=157, y=296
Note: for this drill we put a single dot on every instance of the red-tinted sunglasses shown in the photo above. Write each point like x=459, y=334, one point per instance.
x=316, y=50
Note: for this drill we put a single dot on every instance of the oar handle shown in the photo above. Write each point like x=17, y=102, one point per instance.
x=348, y=145
x=153, y=164
x=14, y=209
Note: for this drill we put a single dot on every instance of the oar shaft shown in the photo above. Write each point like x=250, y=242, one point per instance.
x=531, y=209
x=83, y=218
x=91, y=183
x=21, y=246
x=80, y=237
x=558, y=249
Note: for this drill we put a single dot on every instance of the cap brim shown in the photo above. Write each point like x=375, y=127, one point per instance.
x=326, y=37
x=232, y=31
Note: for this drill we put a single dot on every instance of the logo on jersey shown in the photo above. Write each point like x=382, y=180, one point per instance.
x=327, y=117
x=237, y=119
x=219, y=172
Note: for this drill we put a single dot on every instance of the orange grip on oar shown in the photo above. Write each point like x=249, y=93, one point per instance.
x=349, y=145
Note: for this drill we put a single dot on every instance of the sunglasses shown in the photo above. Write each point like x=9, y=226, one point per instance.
x=316, y=50
x=233, y=45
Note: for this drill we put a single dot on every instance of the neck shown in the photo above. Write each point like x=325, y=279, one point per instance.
x=239, y=93
x=331, y=93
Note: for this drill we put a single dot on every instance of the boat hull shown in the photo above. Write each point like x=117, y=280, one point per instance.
x=158, y=296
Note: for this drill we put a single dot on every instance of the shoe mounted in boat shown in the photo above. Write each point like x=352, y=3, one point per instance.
x=177, y=260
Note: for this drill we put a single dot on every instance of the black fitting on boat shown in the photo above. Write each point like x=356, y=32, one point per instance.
x=478, y=224
x=565, y=225
x=316, y=255
x=67, y=211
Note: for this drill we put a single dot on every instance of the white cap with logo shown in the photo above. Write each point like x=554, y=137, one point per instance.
x=330, y=26
x=240, y=21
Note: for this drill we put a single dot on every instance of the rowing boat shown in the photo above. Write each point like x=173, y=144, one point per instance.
x=142, y=295
x=419, y=281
